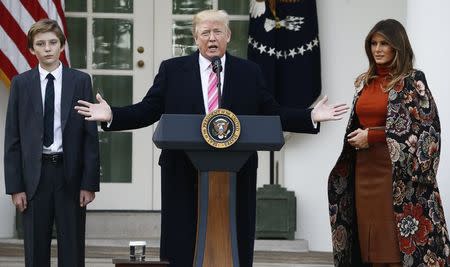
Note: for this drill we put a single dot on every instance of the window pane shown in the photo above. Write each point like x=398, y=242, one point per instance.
x=113, y=42
x=113, y=6
x=182, y=40
x=234, y=7
x=239, y=38
x=75, y=5
x=117, y=90
x=190, y=6
x=115, y=157
x=76, y=38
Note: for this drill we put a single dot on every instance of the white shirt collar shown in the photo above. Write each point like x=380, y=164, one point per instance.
x=205, y=63
x=56, y=73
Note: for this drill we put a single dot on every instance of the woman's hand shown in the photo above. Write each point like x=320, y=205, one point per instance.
x=359, y=138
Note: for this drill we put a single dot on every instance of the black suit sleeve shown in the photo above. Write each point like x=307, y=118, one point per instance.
x=292, y=119
x=13, y=154
x=91, y=165
x=144, y=113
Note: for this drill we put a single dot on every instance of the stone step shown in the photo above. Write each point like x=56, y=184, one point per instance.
x=123, y=224
x=107, y=249
x=288, y=246
x=109, y=232
x=133, y=225
x=95, y=262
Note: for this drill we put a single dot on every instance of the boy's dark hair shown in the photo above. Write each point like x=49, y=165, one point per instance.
x=43, y=26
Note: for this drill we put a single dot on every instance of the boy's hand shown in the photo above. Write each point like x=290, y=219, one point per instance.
x=20, y=201
x=86, y=197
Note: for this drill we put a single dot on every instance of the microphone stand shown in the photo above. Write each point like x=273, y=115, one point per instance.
x=219, y=85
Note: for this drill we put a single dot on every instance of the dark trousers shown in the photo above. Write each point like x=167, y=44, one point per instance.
x=54, y=201
x=179, y=213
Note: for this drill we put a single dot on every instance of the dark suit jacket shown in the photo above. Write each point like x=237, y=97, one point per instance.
x=177, y=89
x=24, y=134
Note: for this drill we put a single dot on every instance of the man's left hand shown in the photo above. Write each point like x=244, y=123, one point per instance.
x=86, y=197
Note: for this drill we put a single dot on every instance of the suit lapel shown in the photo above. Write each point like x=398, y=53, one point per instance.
x=36, y=94
x=67, y=90
x=194, y=84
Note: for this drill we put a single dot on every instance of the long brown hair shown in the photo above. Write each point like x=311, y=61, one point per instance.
x=402, y=64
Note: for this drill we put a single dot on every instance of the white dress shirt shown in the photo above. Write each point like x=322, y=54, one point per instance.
x=56, y=147
x=205, y=70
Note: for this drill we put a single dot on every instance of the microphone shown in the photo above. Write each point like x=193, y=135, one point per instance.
x=216, y=64
x=217, y=68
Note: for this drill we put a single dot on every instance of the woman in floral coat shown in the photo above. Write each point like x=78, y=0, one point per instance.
x=385, y=207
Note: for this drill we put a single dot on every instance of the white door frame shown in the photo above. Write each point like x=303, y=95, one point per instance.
x=139, y=194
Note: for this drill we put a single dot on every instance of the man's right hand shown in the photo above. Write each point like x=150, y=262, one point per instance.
x=20, y=201
x=95, y=112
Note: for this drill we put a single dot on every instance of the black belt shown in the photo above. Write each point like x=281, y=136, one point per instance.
x=52, y=158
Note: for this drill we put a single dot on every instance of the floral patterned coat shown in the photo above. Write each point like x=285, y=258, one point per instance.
x=413, y=139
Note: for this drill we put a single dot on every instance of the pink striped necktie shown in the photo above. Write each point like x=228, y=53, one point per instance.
x=213, y=98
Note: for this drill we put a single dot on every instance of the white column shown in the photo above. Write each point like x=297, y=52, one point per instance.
x=6, y=207
x=428, y=26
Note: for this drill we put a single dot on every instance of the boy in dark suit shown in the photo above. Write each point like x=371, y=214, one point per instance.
x=51, y=154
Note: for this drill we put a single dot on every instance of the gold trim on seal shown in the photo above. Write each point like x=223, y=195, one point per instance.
x=221, y=128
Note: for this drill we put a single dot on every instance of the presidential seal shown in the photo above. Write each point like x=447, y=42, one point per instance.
x=221, y=128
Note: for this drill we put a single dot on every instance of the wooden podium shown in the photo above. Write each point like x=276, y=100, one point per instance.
x=216, y=242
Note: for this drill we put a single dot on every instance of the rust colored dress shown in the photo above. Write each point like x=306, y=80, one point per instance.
x=373, y=179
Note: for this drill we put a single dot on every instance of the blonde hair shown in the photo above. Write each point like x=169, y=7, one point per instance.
x=211, y=15
x=402, y=64
x=43, y=26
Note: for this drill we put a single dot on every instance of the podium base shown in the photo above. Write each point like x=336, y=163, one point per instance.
x=216, y=243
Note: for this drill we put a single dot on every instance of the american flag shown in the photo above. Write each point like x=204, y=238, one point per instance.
x=16, y=18
x=284, y=41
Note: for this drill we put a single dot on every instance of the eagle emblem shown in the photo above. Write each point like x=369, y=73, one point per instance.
x=221, y=128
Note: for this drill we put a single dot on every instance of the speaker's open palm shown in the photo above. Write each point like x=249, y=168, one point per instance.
x=100, y=111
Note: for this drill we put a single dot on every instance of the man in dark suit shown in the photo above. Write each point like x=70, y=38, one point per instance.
x=181, y=86
x=51, y=154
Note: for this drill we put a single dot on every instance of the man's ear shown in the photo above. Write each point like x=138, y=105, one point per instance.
x=196, y=40
x=229, y=37
x=31, y=51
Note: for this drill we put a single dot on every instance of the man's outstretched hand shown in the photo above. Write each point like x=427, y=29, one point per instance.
x=95, y=112
x=324, y=112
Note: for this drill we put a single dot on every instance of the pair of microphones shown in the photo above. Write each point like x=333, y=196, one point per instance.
x=216, y=64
